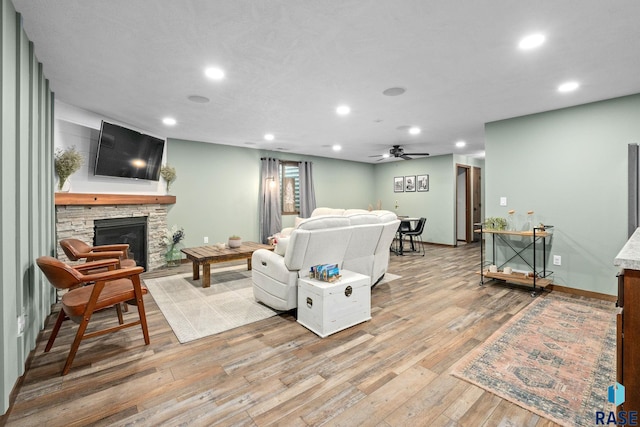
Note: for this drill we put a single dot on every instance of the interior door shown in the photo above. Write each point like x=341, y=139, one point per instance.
x=476, y=184
x=463, y=204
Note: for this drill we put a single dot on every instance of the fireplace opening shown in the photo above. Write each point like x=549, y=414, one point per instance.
x=124, y=230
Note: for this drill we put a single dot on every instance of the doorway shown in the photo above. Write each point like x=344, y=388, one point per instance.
x=468, y=206
x=463, y=204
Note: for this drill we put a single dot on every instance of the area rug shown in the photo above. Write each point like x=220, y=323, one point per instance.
x=194, y=312
x=556, y=358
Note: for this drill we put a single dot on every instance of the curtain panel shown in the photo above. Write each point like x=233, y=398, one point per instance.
x=270, y=211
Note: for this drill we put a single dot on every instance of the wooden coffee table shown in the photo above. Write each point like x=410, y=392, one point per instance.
x=207, y=255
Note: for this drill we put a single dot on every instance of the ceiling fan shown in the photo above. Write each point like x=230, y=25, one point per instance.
x=397, y=151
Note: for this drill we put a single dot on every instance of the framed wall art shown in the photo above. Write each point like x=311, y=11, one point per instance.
x=423, y=183
x=410, y=183
x=398, y=184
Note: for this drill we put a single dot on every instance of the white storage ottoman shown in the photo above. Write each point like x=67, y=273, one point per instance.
x=326, y=308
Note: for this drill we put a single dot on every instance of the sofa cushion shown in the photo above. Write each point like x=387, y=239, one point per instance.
x=327, y=211
x=354, y=211
x=362, y=218
x=281, y=246
x=323, y=221
x=385, y=216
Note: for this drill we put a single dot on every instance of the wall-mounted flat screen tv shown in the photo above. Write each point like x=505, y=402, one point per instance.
x=126, y=153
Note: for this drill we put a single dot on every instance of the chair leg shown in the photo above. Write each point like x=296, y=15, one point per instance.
x=82, y=327
x=143, y=322
x=56, y=328
x=140, y=304
x=119, y=313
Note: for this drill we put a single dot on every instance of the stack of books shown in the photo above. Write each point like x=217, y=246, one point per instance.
x=326, y=272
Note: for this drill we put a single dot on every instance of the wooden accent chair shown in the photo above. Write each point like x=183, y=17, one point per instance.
x=77, y=250
x=103, y=289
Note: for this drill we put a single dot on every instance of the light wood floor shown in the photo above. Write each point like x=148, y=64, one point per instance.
x=390, y=371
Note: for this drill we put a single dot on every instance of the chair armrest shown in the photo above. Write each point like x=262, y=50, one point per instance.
x=96, y=264
x=106, y=254
x=113, y=274
x=115, y=247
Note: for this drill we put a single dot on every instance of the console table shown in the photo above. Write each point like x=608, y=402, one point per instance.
x=539, y=278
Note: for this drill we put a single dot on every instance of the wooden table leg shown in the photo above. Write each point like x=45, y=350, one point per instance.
x=206, y=275
x=196, y=270
x=249, y=263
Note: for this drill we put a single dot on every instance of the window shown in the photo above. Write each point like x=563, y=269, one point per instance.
x=290, y=188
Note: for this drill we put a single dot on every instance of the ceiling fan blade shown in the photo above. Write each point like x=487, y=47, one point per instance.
x=404, y=156
x=417, y=154
x=377, y=155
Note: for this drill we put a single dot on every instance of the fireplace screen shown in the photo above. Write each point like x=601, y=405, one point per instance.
x=124, y=230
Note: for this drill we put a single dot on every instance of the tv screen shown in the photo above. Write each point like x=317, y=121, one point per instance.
x=126, y=153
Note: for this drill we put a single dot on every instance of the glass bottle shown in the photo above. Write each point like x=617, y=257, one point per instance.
x=530, y=223
x=511, y=220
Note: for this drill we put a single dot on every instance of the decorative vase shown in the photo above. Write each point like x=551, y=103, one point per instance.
x=65, y=187
x=173, y=256
x=235, y=243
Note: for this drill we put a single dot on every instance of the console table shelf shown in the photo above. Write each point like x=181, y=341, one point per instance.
x=539, y=278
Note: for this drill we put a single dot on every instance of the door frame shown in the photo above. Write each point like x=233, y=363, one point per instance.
x=468, y=232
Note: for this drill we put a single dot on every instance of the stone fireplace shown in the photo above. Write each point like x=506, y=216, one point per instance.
x=77, y=214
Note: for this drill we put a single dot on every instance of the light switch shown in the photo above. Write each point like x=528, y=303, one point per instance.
x=503, y=201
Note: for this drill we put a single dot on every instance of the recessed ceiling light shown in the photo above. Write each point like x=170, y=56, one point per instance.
x=169, y=121
x=337, y=147
x=385, y=156
x=532, y=41
x=214, y=73
x=414, y=130
x=394, y=91
x=568, y=86
x=343, y=110
x=269, y=136
x=460, y=144
x=198, y=99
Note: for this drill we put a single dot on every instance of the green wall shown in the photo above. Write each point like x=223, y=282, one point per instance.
x=26, y=184
x=570, y=167
x=217, y=188
x=437, y=204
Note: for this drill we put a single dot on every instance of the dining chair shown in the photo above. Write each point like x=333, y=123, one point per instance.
x=88, y=292
x=414, y=233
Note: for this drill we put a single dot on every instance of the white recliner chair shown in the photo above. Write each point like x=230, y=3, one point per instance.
x=316, y=240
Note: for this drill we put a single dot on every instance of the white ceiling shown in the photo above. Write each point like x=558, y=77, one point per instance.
x=290, y=63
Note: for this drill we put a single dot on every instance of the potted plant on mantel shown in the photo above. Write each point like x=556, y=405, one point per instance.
x=66, y=163
x=235, y=241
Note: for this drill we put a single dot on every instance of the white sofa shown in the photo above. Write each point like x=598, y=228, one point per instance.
x=355, y=239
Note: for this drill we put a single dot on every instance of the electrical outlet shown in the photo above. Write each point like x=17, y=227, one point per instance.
x=557, y=260
x=503, y=201
x=206, y=239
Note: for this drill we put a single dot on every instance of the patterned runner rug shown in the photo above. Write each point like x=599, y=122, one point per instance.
x=556, y=358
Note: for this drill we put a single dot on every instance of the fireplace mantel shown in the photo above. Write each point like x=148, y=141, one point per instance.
x=93, y=199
